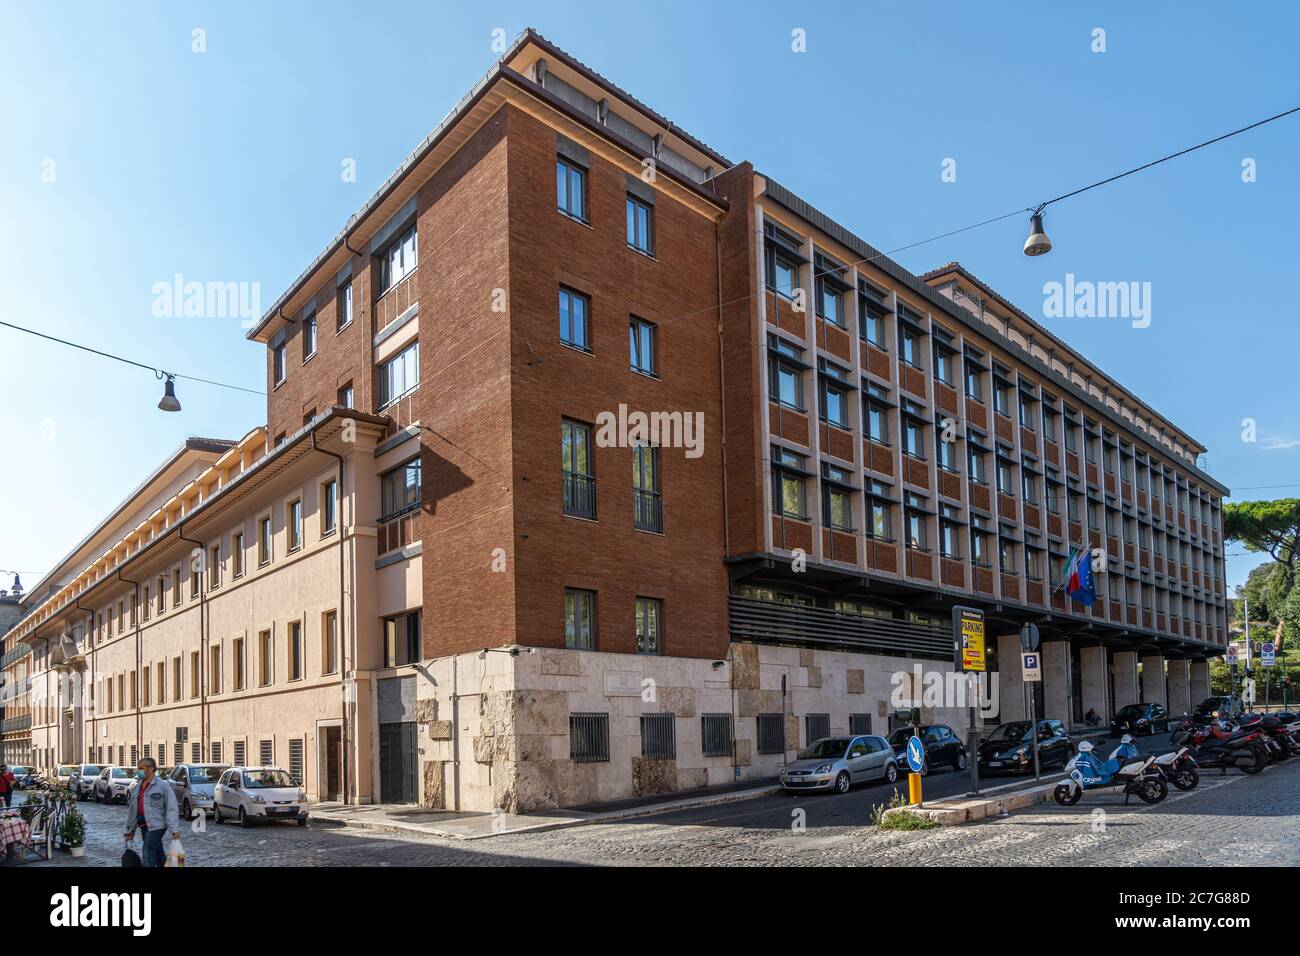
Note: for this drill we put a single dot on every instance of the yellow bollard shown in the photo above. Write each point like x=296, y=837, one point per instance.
x=914, y=789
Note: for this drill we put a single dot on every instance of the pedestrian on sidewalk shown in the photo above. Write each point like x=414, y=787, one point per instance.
x=151, y=808
x=7, y=782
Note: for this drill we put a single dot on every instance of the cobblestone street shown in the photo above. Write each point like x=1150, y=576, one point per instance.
x=1227, y=821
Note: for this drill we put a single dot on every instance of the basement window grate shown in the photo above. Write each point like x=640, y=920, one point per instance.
x=771, y=733
x=589, y=738
x=816, y=726
x=658, y=735
x=715, y=735
x=859, y=723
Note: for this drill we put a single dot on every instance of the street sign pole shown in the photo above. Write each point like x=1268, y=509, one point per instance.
x=969, y=658
x=1029, y=641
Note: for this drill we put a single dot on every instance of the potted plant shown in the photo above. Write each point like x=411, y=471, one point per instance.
x=73, y=832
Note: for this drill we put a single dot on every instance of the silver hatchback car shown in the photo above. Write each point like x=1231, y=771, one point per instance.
x=837, y=763
x=194, y=784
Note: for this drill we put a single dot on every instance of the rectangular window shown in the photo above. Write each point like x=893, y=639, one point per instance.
x=328, y=507
x=293, y=524
x=570, y=188
x=589, y=738
x=295, y=650
x=240, y=675
x=277, y=363
x=788, y=484
x=214, y=668
x=329, y=638
x=347, y=397
x=146, y=690
x=295, y=760
x=265, y=659
x=214, y=567
x=647, y=502
x=1002, y=398
x=715, y=735
x=974, y=383
x=859, y=724
x=399, y=259
x=309, y=336
x=835, y=404
x=830, y=302
x=264, y=541
x=240, y=753
x=237, y=554
x=196, y=581
x=916, y=531
x=782, y=273
x=402, y=639
x=266, y=752
x=943, y=366
x=949, y=536
x=816, y=727
x=195, y=679
x=575, y=312
x=400, y=375
x=838, y=507
x=344, y=308
x=146, y=604
x=577, y=470
x=1006, y=477
x=400, y=490
x=771, y=733
x=913, y=439
x=789, y=385
x=649, y=625
x=1007, y=556
x=979, y=548
x=641, y=339
x=640, y=225
x=1028, y=482
x=878, y=525
x=877, y=424
x=579, y=619
x=658, y=736
x=176, y=587
x=911, y=347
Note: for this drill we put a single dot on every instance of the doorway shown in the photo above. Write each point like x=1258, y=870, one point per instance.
x=398, y=780
x=331, y=763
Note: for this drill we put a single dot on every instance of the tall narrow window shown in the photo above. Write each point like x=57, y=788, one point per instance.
x=578, y=472
x=265, y=660
x=177, y=691
x=308, y=336
x=214, y=567
x=641, y=335
x=293, y=524
x=788, y=474
x=239, y=663
x=345, y=306
x=574, y=310
x=195, y=680
x=328, y=506
x=295, y=650
x=264, y=541
x=329, y=636
x=570, y=188
x=400, y=490
x=347, y=397
x=214, y=669
x=647, y=503
x=640, y=225
x=277, y=363
x=237, y=554
x=580, y=619
x=649, y=626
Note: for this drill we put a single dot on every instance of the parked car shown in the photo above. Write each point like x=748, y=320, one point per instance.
x=112, y=784
x=84, y=774
x=1010, y=747
x=258, y=794
x=943, y=748
x=1140, y=719
x=194, y=784
x=836, y=763
x=63, y=774
x=1225, y=705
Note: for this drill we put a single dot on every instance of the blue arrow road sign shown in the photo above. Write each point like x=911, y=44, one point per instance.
x=915, y=754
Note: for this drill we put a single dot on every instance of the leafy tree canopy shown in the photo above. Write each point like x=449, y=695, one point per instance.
x=1272, y=527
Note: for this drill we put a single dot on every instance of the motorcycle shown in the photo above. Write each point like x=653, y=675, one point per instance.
x=1179, y=768
x=1223, y=746
x=1125, y=768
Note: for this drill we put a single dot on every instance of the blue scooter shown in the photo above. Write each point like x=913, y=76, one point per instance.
x=1126, y=768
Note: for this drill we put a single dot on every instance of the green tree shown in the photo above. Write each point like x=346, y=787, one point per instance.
x=1265, y=589
x=1271, y=527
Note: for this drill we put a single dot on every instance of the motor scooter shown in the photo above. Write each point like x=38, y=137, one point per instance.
x=1179, y=768
x=1125, y=768
x=1221, y=745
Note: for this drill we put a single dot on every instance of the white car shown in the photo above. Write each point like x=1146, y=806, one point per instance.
x=84, y=774
x=113, y=784
x=257, y=795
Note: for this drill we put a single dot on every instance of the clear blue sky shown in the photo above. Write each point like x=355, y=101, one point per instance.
x=225, y=166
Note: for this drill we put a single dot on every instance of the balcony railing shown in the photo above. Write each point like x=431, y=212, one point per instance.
x=647, y=510
x=579, y=495
x=11, y=724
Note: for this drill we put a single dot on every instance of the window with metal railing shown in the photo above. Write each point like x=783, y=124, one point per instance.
x=658, y=736
x=816, y=726
x=771, y=733
x=589, y=738
x=715, y=735
x=859, y=723
x=578, y=469
x=647, y=501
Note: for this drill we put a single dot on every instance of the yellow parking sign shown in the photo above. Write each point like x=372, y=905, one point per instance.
x=969, y=626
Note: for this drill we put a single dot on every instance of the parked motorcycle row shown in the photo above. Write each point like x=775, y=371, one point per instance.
x=1247, y=743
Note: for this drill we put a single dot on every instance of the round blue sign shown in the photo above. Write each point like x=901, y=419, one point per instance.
x=915, y=754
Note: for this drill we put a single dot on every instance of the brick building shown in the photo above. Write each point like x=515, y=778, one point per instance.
x=782, y=458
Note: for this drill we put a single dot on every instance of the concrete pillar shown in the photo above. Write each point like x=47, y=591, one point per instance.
x=1057, y=681
x=1092, y=663
x=1199, y=678
x=1011, y=686
x=1180, y=689
x=1124, y=665
x=1153, y=679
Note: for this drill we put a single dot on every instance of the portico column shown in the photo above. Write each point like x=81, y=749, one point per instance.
x=1092, y=662
x=1056, y=681
x=1180, y=688
x=1011, y=686
x=1153, y=679
x=1124, y=665
x=1199, y=676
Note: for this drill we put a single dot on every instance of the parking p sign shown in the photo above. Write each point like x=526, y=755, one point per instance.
x=1032, y=667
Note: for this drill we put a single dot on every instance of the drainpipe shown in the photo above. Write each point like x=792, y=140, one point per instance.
x=352, y=656
x=203, y=641
x=135, y=680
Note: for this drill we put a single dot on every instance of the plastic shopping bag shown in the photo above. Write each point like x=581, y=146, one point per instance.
x=175, y=854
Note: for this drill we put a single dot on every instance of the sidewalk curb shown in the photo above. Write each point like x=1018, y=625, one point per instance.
x=609, y=816
x=959, y=810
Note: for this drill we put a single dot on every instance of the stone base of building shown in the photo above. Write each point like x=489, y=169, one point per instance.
x=494, y=728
